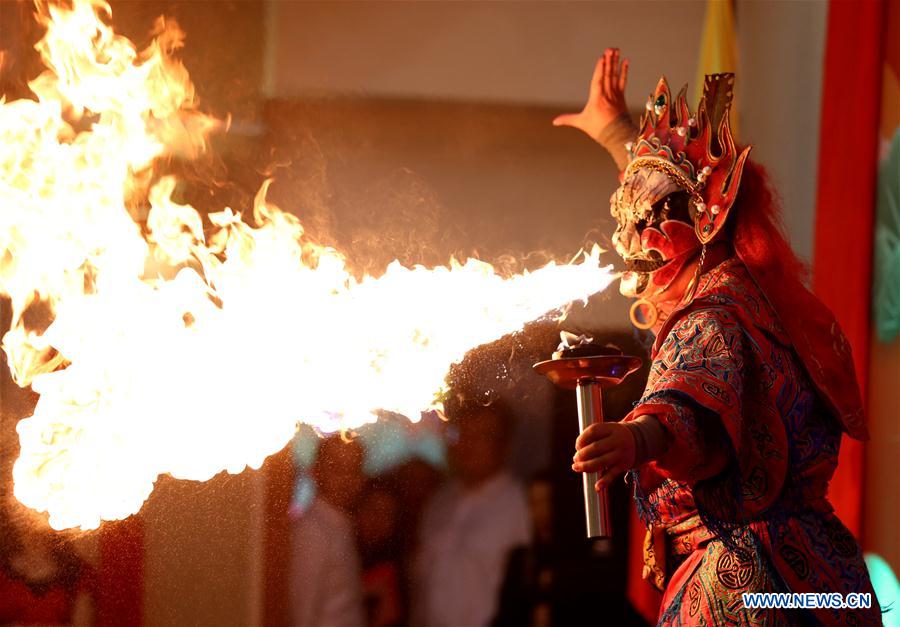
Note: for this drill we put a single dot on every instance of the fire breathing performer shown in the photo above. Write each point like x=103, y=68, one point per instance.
x=736, y=436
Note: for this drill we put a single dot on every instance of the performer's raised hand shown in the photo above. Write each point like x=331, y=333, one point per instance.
x=606, y=99
x=607, y=448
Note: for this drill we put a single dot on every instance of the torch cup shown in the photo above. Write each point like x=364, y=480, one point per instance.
x=588, y=369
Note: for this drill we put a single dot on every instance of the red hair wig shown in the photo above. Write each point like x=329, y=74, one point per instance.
x=757, y=230
x=759, y=241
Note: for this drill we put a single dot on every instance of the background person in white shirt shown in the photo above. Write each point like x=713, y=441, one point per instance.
x=471, y=524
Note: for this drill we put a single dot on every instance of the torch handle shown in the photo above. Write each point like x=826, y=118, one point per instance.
x=596, y=505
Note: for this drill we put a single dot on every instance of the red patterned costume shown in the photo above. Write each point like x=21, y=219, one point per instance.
x=752, y=381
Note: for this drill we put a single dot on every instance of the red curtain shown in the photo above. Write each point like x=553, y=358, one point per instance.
x=845, y=208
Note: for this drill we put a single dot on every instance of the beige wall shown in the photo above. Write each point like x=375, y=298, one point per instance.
x=782, y=50
x=520, y=52
x=542, y=53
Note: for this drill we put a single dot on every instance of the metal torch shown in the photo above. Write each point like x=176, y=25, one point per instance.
x=587, y=368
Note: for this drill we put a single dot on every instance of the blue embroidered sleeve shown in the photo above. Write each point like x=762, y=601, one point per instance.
x=695, y=389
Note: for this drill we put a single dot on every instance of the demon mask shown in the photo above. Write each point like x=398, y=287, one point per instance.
x=678, y=187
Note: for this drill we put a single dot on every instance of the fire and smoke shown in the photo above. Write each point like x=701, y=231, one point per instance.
x=186, y=345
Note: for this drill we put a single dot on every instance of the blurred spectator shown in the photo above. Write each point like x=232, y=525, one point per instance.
x=325, y=570
x=43, y=581
x=529, y=591
x=414, y=483
x=471, y=524
x=377, y=528
x=551, y=581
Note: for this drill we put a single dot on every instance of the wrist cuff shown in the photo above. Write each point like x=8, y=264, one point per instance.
x=650, y=438
x=615, y=135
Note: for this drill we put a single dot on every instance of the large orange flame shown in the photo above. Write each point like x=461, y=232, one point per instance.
x=188, y=348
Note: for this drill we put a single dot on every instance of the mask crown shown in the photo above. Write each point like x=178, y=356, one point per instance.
x=696, y=150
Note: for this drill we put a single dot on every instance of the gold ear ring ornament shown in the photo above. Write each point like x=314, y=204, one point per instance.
x=650, y=314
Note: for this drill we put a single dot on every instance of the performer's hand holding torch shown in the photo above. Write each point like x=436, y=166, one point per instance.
x=607, y=448
x=586, y=368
